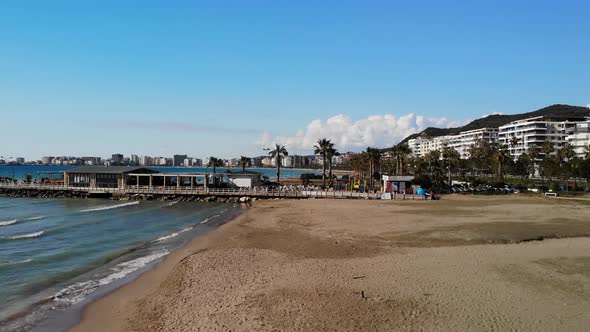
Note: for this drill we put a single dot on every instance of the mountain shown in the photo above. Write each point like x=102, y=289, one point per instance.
x=558, y=112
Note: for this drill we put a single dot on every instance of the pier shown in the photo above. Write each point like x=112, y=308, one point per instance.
x=156, y=191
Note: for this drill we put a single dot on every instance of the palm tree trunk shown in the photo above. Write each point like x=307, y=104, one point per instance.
x=324, y=170
x=330, y=168
x=278, y=171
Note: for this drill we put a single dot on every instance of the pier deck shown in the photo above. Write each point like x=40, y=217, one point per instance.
x=222, y=192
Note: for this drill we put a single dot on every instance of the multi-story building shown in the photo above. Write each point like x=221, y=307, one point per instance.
x=466, y=139
x=178, y=160
x=47, y=160
x=134, y=159
x=580, y=138
x=520, y=135
x=268, y=162
x=20, y=160
x=421, y=146
x=146, y=161
x=117, y=159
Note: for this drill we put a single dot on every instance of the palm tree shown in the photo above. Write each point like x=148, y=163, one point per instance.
x=587, y=152
x=332, y=152
x=450, y=156
x=514, y=143
x=322, y=148
x=547, y=149
x=533, y=154
x=501, y=157
x=278, y=153
x=566, y=152
x=400, y=152
x=215, y=162
x=245, y=162
x=373, y=156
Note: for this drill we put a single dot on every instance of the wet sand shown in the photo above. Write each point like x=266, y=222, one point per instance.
x=462, y=263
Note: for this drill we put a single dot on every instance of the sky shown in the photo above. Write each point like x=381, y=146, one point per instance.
x=229, y=78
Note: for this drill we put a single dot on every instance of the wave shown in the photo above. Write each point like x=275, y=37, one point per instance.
x=78, y=291
x=166, y=237
x=8, y=222
x=110, y=207
x=206, y=220
x=170, y=204
x=33, y=218
x=25, y=236
x=16, y=262
x=14, y=221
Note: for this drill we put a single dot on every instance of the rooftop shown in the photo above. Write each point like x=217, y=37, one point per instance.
x=110, y=169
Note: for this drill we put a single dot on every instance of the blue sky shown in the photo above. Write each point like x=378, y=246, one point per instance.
x=229, y=77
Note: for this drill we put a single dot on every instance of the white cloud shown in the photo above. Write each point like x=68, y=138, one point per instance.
x=495, y=113
x=375, y=130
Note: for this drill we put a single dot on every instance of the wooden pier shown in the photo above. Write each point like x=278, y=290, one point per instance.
x=203, y=192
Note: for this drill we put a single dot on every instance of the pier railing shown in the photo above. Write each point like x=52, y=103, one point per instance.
x=201, y=191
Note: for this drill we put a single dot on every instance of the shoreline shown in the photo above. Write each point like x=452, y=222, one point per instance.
x=153, y=275
x=49, y=315
x=315, y=265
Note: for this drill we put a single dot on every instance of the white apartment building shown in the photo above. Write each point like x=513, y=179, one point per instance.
x=535, y=131
x=466, y=139
x=580, y=138
x=422, y=146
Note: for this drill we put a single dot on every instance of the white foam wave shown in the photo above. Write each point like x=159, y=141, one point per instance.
x=33, y=218
x=169, y=236
x=170, y=204
x=109, y=207
x=206, y=220
x=7, y=222
x=123, y=269
x=78, y=291
x=16, y=262
x=26, y=236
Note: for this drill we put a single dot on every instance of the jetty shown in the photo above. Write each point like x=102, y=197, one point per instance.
x=142, y=183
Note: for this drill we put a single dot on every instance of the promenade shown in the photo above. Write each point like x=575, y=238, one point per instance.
x=220, y=192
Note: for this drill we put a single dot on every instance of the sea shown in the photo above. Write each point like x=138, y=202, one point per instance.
x=57, y=254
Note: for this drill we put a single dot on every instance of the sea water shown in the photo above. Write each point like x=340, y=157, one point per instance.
x=54, y=253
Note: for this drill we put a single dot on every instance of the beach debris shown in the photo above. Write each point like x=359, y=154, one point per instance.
x=358, y=277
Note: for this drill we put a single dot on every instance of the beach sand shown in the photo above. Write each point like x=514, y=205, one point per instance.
x=462, y=263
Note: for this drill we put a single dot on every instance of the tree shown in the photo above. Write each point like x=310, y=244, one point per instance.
x=514, y=142
x=279, y=152
x=215, y=162
x=332, y=152
x=522, y=166
x=501, y=157
x=244, y=162
x=532, y=154
x=587, y=152
x=450, y=157
x=400, y=152
x=547, y=164
x=322, y=148
x=373, y=157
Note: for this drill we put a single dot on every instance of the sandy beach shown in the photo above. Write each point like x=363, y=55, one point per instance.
x=462, y=263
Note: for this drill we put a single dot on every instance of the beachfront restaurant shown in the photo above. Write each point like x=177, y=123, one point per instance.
x=126, y=177
x=101, y=176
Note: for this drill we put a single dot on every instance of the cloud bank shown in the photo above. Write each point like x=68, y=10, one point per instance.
x=375, y=130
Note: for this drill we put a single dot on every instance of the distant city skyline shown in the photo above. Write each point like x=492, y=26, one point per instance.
x=229, y=79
